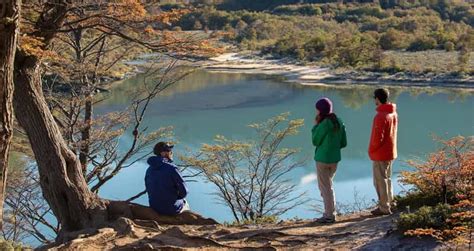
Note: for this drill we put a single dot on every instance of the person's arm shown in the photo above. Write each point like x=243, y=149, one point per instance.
x=344, y=136
x=180, y=184
x=318, y=132
x=377, y=136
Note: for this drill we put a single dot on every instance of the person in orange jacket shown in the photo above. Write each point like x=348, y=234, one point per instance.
x=383, y=149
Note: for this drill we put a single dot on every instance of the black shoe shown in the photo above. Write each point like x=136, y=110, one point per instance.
x=325, y=220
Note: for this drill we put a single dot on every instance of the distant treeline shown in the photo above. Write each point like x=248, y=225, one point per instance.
x=343, y=34
x=268, y=5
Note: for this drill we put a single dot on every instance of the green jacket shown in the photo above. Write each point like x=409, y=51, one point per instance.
x=328, y=142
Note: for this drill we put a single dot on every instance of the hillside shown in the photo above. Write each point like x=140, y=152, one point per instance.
x=359, y=231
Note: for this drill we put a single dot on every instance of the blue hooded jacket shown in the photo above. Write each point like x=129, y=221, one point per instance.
x=165, y=187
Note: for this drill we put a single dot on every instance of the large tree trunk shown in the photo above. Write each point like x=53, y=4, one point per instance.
x=9, y=16
x=61, y=177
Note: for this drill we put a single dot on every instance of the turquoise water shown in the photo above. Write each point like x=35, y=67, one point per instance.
x=206, y=104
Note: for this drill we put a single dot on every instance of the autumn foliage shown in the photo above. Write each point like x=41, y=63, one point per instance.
x=446, y=177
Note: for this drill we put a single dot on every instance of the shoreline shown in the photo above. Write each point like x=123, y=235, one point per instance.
x=322, y=76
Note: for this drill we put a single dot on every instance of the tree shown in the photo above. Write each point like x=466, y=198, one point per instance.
x=61, y=177
x=9, y=25
x=353, y=50
x=250, y=175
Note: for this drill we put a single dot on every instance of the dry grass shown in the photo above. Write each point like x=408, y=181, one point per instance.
x=427, y=61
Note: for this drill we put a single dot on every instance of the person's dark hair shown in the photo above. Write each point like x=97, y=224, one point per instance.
x=333, y=118
x=162, y=147
x=382, y=94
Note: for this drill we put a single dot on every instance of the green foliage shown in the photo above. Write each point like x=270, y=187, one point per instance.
x=422, y=44
x=425, y=217
x=449, y=46
x=305, y=10
x=393, y=40
x=415, y=200
x=352, y=49
x=305, y=30
x=11, y=246
x=171, y=6
x=359, y=13
x=314, y=48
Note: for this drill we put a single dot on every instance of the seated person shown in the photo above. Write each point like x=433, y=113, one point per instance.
x=164, y=184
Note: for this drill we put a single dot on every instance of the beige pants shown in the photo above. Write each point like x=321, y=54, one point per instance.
x=325, y=173
x=383, y=183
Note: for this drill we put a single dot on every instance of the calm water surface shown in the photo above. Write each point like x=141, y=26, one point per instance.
x=206, y=104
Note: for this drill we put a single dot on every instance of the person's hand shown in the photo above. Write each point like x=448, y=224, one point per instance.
x=317, y=119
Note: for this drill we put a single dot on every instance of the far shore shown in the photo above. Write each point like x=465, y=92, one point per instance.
x=319, y=76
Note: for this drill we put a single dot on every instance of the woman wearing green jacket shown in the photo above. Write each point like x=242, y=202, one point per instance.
x=329, y=137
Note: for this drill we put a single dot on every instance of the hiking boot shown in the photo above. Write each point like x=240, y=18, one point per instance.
x=378, y=212
x=325, y=220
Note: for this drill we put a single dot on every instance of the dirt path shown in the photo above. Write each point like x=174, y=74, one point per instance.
x=361, y=232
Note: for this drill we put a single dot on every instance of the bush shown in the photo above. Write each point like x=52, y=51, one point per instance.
x=176, y=28
x=11, y=246
x=305, y=10
x=447, y=176
x=447, y=173
x=425, y=217
x=415, y=200
x=392, y=40
x=314, y=48
x=353, y=50
x=422, y=44
x=357, y=14
x=449, y=46
x=286, y=47
x=171, y=6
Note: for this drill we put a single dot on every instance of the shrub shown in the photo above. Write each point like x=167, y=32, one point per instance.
x=448, y=223
x=422, y=44
x=305, y=10
x=314, y=48
x=425, y=217
x=392, y=40
x=449, y=46
x=286, y=47
x=357, y=14
x=447, y=175
x=352, y=49
x=177, y=28
x=171, y=6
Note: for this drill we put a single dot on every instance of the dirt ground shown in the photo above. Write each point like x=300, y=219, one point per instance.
x=355, y=232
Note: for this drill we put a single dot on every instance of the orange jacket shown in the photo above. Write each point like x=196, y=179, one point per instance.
x=383, y=141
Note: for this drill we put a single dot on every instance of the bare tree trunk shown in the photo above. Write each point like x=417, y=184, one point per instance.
x=9, y=16
x=61, y=177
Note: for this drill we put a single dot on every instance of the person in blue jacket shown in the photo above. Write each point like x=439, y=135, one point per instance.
x=164, y=184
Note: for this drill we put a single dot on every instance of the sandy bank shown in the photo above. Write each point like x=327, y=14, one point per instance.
x=317, y=76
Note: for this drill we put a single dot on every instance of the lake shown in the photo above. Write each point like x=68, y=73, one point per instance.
x=205, y=104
